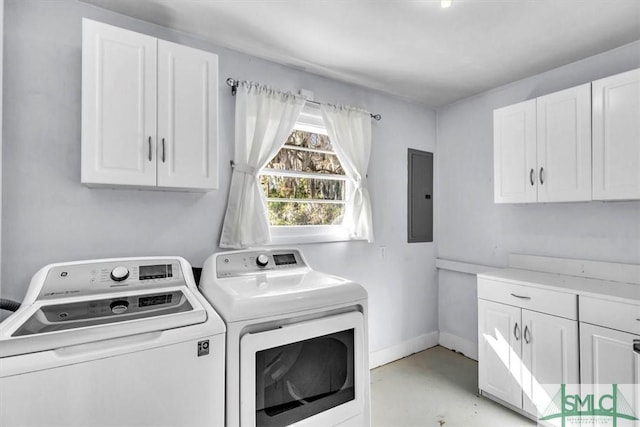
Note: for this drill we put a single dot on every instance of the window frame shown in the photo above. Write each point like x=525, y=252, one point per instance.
x=310, y=120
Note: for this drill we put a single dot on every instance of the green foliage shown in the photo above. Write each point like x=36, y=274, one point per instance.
x=294, y=156
x=295, y=213
x=278, y=187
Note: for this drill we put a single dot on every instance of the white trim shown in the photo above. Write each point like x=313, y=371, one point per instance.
x=295, y=174
x=461, y=345
x=318, y=201
x=307, y=150
x=462, y=267
x=404, y=349
x=301, y=234
x=310, y=120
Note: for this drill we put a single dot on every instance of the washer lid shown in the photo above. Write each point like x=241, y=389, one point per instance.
x=277, y=292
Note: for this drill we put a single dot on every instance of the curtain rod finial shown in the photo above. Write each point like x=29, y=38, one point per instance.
x=234, y=85
x=376, y=117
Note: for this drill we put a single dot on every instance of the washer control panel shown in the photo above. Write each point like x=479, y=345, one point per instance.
x=97, y=277
x=104, y=310
x=252, y=262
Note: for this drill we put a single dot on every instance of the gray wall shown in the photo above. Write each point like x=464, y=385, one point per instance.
x=50, y=217
x=473, y=229
x=1, y=68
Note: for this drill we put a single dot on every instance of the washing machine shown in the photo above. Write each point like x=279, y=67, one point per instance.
x=297, y=347
x=113, y=342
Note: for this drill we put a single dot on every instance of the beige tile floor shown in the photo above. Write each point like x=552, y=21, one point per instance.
x=436, y=387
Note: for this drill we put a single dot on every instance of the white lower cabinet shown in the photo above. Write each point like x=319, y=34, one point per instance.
x=537, y=331
x=500, y=351
x=550, y=357
x=610, y=350
x=608, y=356
x=522, y=348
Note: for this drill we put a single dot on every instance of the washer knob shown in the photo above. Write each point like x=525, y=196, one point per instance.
x=119, y=273
x=119, y=307
x=262, y=260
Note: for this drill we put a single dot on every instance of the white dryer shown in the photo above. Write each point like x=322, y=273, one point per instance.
x=297, y=347
x=113, y=342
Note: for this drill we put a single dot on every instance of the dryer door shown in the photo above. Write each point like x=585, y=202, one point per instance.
x=310, y=372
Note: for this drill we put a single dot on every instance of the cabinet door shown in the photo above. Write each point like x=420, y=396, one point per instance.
x=564, y=145
x=514, y=153
x=616, y=137
x=187, y=117
x=499, y=351
x=550, y=357
x=607, y=357
x=118, y=106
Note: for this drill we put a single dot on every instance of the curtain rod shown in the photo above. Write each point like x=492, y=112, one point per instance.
x=234, y=86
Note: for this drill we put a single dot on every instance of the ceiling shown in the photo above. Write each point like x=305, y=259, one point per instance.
x=409, y=48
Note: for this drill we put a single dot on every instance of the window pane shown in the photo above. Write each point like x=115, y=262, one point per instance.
x=280, y=187
x=305, y=213
x=306, y=161
x=299, y=138
x=305, y=183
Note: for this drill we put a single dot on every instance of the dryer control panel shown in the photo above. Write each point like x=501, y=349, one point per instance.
x=245, y=263
x=97, y=277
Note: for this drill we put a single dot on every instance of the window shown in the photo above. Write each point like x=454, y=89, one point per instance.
x=305, y=184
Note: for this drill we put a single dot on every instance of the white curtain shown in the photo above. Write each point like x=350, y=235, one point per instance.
x=349, y=130
x=264, y=119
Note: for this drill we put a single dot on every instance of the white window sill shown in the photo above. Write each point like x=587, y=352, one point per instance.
x=286, y=235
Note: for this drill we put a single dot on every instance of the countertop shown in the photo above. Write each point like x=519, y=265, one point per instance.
x=604, y=289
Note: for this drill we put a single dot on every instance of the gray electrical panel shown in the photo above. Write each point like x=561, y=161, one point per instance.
x=420, y=197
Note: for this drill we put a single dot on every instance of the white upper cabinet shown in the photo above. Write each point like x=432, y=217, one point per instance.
x=616, y=137
x=149, y=111
x=564, y=145
x=578, y=144
x=187, y=117
x=542, y=148
x=118, y=106
x=514, y=130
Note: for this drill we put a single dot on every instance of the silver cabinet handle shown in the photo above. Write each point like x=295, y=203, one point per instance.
x=150, y=148
x=531, y=177
x=636, y=346
x=520, y=296
x=527, y=334
x=163, y=151
x=516, y=332
x=541, y=176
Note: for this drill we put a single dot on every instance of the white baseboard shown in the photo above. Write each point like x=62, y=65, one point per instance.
x=462, y=345
x=404, y=349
